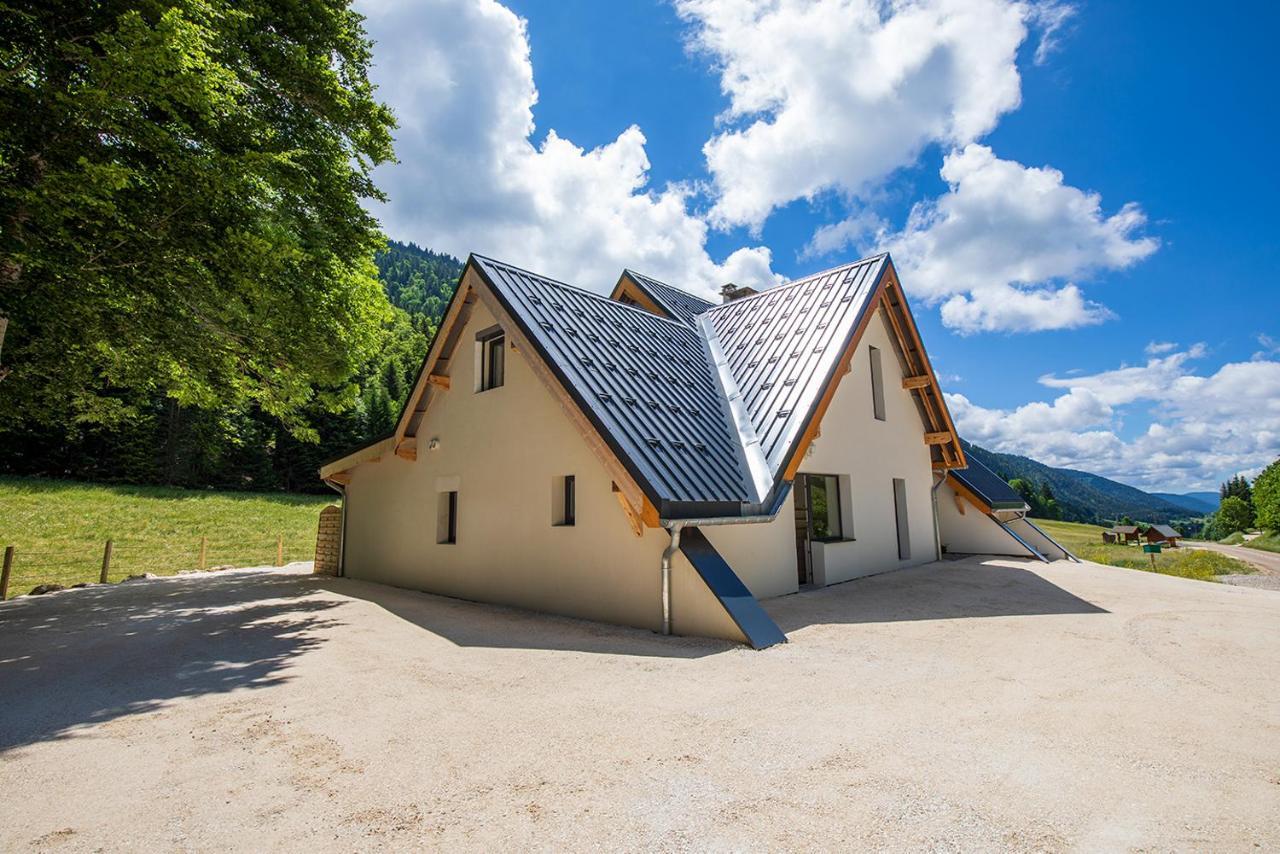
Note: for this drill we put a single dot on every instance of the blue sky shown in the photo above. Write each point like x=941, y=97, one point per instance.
x=1078, y=195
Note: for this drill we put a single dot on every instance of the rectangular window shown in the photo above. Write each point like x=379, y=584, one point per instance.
x=825, y=520
x=446, y=518
x=564, y=498
x=877, y=384
x=570, y=497
x=900, y=512
x=491, y=358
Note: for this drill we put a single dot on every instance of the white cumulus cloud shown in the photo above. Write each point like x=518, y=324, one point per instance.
x=1204, y=427
x=837, y=94
x=470, y=178
x=999, y=248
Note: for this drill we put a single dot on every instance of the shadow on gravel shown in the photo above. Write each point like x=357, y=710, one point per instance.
x=479, y=624
x=92, y=655
x=940, y=591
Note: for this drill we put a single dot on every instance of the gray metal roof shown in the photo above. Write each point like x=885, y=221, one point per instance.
x=704, y=411
x=777, y=351
x=988, y=486
x=1167, y=531
x=645, y=381
x=684, y=307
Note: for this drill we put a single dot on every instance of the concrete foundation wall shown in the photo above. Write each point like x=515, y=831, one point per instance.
x=503, y=450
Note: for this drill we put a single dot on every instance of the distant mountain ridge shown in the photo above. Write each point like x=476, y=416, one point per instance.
x=1086, y=497
x=1204, y=502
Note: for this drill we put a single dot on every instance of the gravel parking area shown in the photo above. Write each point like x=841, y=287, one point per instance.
x=962, y=705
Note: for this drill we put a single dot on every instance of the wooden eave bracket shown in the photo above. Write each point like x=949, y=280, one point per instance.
x=940, y=438
x=438, y=381
x=633, y=517
x=408, y=449
x=916, y=382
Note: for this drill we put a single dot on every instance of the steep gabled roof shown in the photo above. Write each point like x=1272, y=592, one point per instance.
x=644, y=380
x=678, y=304
x=988, y=486
x=1166, y=530
x=696, y=414
x=777, y=353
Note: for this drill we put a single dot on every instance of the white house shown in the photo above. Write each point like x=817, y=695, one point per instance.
x=652, y=459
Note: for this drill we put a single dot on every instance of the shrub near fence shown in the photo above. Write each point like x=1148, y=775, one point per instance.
x=117, y=560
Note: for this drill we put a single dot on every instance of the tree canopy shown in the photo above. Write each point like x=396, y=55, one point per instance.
x=1233, y=515
x=180, y=207
x=1266, y=497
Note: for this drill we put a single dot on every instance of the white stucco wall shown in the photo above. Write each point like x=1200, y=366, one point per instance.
x=972, y=532
x=872, y=453
x=503, y=448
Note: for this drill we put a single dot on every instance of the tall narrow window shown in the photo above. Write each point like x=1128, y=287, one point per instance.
x=824, y=507
x=564, y=500
x=900, y=512
x=570, y=499
x=490, y=358
x=877, y=384
x=447, y=518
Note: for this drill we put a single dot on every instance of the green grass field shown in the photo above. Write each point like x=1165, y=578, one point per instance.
x=59, y=527
x=1085, y=542
x=1268, y=542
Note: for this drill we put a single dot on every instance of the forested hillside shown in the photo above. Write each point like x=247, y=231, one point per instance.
x=246, y=448
x=1080, y=496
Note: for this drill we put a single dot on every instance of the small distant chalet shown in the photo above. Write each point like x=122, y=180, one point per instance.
x=654, y=459
x=1163, y=534
x=1127, y=533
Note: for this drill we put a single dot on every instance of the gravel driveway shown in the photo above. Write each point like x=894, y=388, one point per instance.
x=967, y=705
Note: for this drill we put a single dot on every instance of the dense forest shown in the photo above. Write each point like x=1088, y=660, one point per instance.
x=246, y=448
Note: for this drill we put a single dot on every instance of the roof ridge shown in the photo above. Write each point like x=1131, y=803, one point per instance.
x=599, y=297
x=658, y=281
x=800, y=281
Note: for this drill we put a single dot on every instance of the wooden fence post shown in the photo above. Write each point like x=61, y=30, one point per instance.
x=106, y=562
x=279, y=549
x=4, y=574
x=204, y=551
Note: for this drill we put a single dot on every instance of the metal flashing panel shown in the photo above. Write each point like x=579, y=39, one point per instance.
x=758, y=627
x=683, y=306
x=781, y=347
x=988, y=486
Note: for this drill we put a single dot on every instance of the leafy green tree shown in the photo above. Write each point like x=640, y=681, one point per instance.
x=1233, y=515
x=180, y=207
x=1266, y=497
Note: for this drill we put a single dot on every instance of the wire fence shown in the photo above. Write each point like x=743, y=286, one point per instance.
x=115, y=560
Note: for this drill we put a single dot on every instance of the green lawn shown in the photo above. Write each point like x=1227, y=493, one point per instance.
x=59, y=528
x=1085, y=542
x=1268, y=542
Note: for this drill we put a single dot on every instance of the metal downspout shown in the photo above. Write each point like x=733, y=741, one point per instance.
x=937, y=532
x=675, y=526
x=342, y=527
x=667, y=554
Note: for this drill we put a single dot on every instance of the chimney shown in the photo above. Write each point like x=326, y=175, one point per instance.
x=731, y=292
